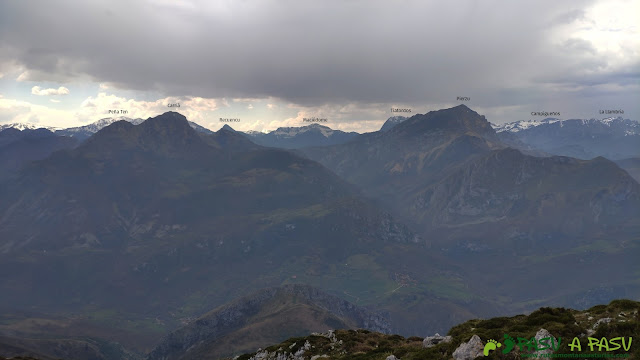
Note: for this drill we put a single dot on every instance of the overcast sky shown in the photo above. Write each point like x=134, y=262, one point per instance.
x=272, y=63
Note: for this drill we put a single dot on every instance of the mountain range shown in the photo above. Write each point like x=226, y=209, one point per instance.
x=139, y=213
x=449, y=177
x=432, y=222
x=614, y=138
x=84, y=132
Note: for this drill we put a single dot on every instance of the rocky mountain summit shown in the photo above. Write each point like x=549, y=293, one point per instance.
x=86, y=131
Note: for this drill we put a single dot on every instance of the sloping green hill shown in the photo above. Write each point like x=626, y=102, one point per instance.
x=620, y=319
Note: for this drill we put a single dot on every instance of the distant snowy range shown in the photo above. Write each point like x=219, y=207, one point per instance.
x=614, y=137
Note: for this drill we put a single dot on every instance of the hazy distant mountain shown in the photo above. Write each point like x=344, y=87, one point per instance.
x=613, y=138
x=632, y=166
x=55, y=348
x=392, y=121
x=84, y=132
x=299, y=137
x=261, y=319
x=18, y=148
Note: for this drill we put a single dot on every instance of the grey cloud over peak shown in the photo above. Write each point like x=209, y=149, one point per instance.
x=307, y=52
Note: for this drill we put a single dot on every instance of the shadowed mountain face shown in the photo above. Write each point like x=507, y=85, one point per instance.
x=414, y=153
x=262, y=318
x=631, y=166
x=447, y=169
x=18, y=148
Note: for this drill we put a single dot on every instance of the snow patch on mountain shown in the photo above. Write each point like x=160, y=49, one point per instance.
x=633, y=127
x=523, y=124
x=255, y=133
x=288, y=132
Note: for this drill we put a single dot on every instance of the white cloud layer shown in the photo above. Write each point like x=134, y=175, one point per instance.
x=36, y=90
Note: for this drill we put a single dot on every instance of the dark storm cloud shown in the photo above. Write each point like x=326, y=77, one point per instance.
x=305, y=52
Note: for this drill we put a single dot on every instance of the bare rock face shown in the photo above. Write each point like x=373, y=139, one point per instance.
x=431, y=341
x=469, y=350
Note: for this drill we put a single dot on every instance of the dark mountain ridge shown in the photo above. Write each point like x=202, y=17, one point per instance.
x=256, y=320
x=18, y=148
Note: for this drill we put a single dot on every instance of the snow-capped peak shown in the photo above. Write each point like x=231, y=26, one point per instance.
x=96, y=126
x=24, y=126
x=611, y=120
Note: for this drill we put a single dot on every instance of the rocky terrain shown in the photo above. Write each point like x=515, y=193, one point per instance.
x=544, y=331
